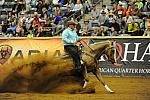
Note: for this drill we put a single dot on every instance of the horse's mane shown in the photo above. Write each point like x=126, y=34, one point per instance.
x=107, y=41
x=97, y=44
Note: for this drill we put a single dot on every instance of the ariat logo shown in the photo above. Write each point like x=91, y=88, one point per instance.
x=5, y=53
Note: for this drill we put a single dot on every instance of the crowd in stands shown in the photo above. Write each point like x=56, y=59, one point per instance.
x=50, y=17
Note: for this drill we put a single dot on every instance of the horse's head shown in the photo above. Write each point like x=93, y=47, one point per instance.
x=110, y=52
x=97, y=49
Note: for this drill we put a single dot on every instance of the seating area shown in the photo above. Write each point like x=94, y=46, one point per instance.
x=46, y=18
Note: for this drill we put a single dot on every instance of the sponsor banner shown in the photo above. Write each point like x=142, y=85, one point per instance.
x=21, y=48
x=132, y=53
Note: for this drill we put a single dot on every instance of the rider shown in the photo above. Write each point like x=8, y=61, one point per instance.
x=70, y=39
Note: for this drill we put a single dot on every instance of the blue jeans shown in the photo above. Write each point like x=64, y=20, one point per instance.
x=73, y=51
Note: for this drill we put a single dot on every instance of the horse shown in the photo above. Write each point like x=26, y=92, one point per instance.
x=90, y=56
x=42, y=73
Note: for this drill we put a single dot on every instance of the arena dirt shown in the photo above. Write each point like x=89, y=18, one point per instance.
x=40, y=78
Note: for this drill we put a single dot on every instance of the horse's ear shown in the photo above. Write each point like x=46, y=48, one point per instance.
x=113, y=43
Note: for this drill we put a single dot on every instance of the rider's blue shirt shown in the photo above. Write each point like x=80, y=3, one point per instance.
x=69, y=36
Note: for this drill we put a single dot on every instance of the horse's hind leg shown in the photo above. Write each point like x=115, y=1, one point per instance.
x=85, y=76
x=99, y=77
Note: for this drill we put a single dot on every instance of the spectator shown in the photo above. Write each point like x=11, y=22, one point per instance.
x=86, y=6
x=70, y=5
x=18, y=29
x=85, y=31
x=48, y=30
x=28, y=6
x=123, y=3
x=115, y=9
x=28, y=21
x=1, y=33
x=40, y=29
x=78, y=8
x=30, y=35
x=1, y=20
x=57, y=23
x=35, y=27
x=24, y=29
x=143, y=24
x=44, y=15
x=58, y=11
x=104, y=8
x=147, y=22
x=115, y=25
x=47, y=4
x=55, y=3
x=36, y=19
x=78, y=27
x=109, y=19
x=129, y=10
x=17, y=7
x=147, y=31
x=39, y=7
x=87, y=25
x=133, y=28
x=102, y=31
x=95, y=31
x=11, y=30
x=93, y=23
x=56, y=19
x=136, y=11
x=95, y=12
x=49, y=11
x=102, y=17
x=113, y=32
x=147, y=6
x=121, y=10
x=22, y=17
x=14, y=18
x=139, y=4
x=33, y=3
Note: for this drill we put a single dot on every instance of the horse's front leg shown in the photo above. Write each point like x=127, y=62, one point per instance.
x=99, y=77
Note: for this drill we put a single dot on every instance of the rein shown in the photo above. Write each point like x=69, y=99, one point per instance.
x=87, y=45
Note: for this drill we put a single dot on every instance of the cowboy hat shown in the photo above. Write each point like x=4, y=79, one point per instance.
x=103, y=12
x=22, y=13
x=71, y=23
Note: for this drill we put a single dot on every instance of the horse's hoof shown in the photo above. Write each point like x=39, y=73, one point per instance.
x=85, y=84
x=108, y=89
x=111, y=92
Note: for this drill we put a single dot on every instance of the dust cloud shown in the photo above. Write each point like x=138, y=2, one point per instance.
x=41, y=74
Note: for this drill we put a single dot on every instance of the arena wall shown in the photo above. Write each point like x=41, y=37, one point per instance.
x=132, y=53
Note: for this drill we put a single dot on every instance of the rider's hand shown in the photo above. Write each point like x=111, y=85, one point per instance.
x=74, y=43
x=79, y=40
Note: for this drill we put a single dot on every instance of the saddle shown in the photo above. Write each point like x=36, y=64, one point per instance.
x=65, y=55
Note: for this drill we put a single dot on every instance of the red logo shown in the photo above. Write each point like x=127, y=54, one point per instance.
x=119, y=51
x=5, y=53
